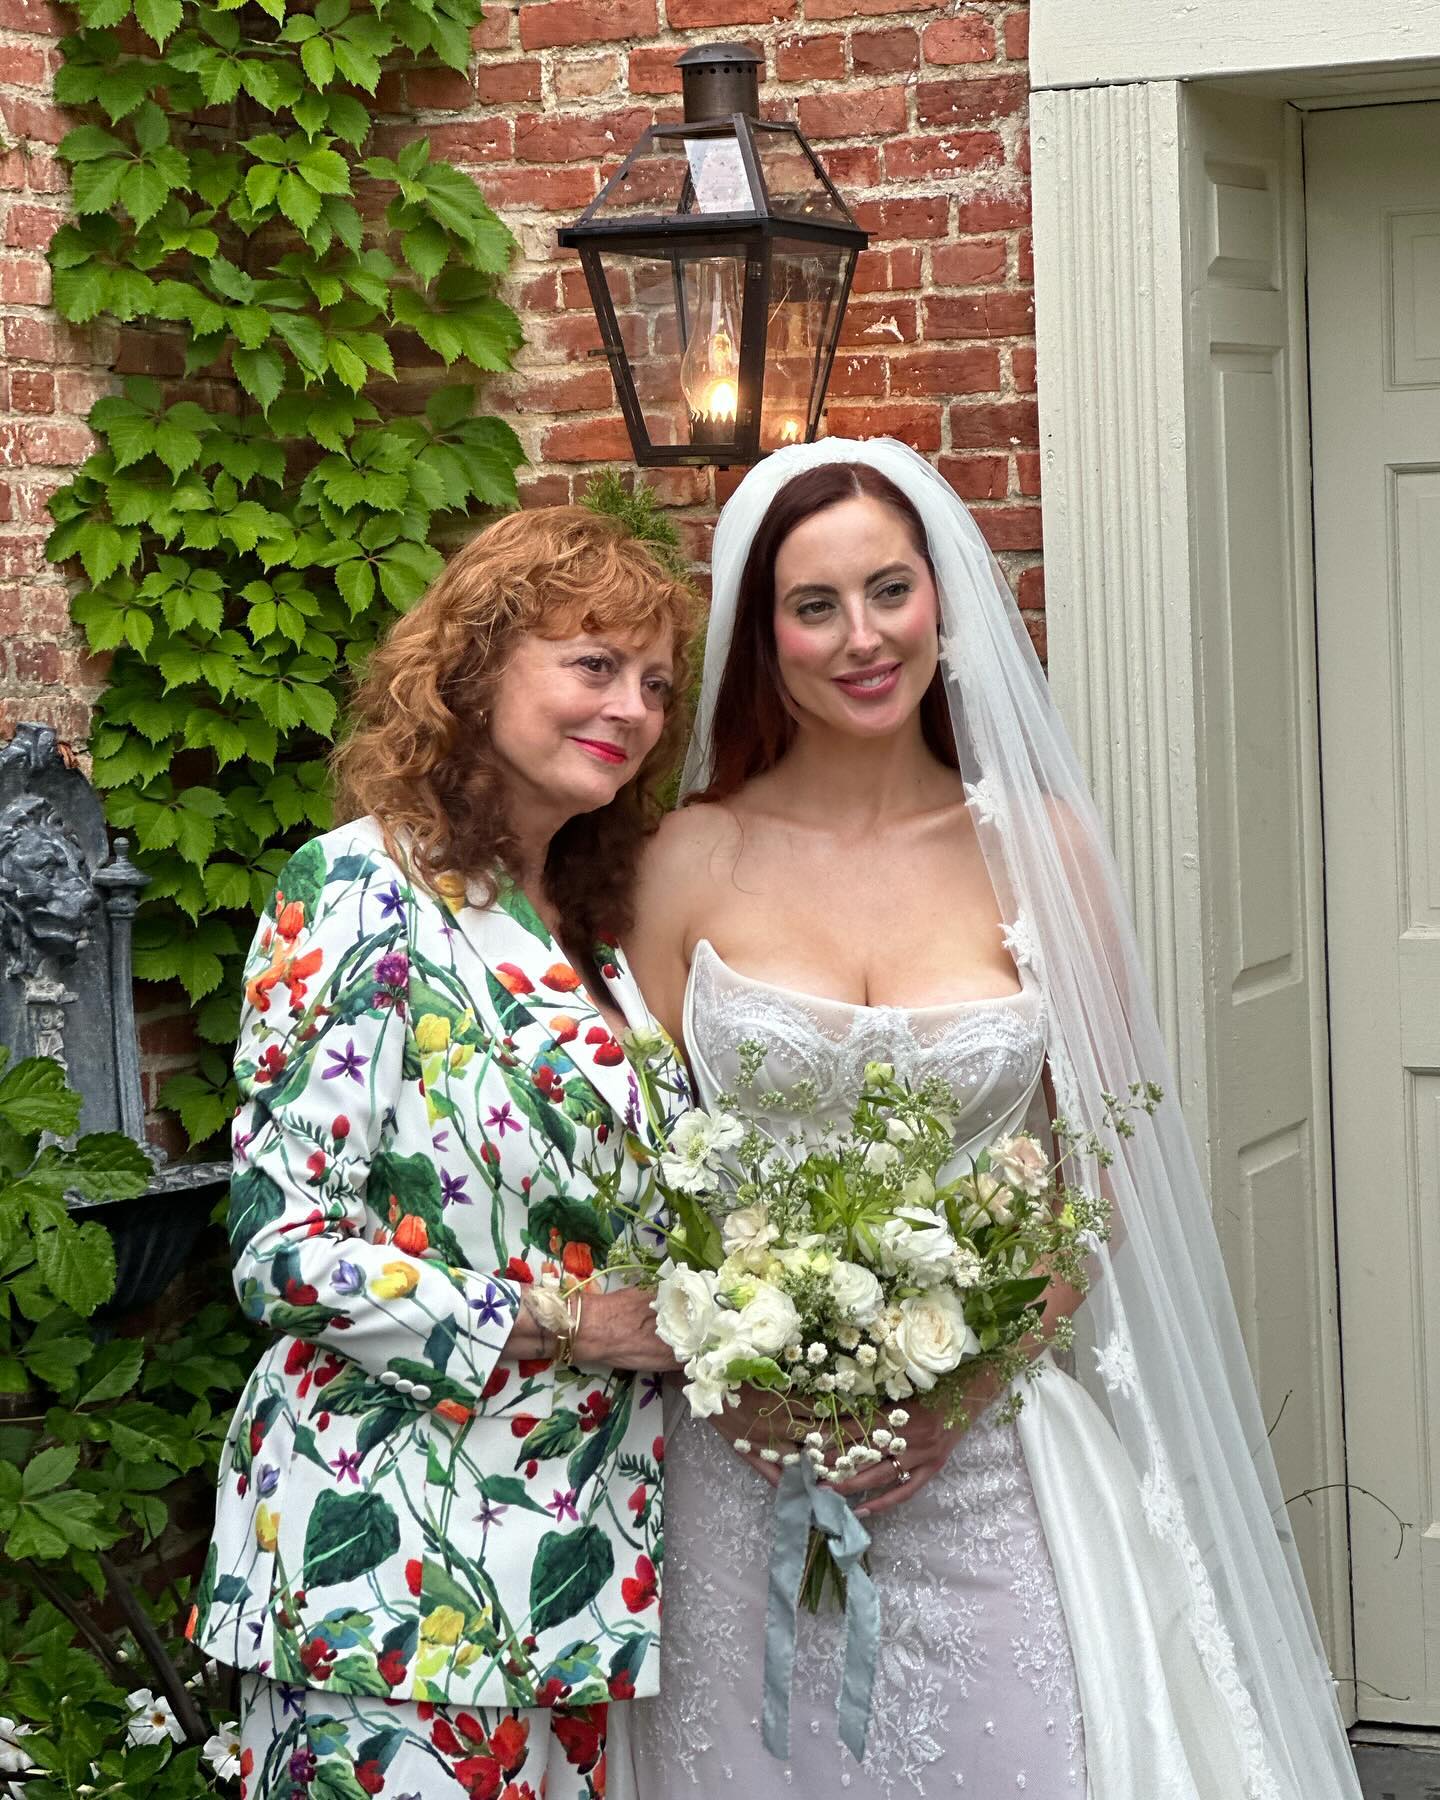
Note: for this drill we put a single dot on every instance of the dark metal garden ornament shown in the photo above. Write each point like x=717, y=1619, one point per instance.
x=66, y=907
x=719, y=258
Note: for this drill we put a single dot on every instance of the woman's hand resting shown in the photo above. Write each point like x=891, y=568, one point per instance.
x=617, y=1331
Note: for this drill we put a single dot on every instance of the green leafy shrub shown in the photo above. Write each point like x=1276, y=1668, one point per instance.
x=246, y=536
x=100, y=1437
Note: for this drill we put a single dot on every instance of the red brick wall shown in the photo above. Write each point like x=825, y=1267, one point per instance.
x=918, y=108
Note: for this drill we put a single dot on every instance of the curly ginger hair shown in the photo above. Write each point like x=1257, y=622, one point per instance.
x=418, y=757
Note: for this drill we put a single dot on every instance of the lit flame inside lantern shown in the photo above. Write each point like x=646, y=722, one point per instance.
x=710, y=367
x=790, y=432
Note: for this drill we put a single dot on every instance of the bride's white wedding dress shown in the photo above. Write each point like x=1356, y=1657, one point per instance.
x=1030, y=1642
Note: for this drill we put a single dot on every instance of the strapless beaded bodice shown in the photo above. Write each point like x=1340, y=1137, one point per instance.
x=989, y=1052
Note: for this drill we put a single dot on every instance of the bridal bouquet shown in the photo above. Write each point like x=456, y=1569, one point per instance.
x=849, y=1276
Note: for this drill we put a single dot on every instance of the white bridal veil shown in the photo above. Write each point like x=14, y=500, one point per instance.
x=1160, y=1347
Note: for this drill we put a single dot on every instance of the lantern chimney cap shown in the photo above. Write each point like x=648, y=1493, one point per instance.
x=720, y=79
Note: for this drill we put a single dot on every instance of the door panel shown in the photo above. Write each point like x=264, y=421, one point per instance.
x=1373, y=211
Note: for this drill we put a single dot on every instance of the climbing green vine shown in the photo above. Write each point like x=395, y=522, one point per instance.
x=265, y=503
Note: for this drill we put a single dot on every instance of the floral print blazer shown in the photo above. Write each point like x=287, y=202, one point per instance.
x=402, y=1511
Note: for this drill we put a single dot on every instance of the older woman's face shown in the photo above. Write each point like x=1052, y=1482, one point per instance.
x=573, y=718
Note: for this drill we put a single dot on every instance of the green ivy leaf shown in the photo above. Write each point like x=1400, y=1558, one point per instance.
x=78, y=1264
x=34, y=1096
x=261, y=373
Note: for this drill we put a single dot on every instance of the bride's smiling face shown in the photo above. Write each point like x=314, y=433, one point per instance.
x=856, y=618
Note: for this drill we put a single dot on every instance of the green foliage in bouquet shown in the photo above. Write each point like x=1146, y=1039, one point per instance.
x=243, y=545
x=100, y=1437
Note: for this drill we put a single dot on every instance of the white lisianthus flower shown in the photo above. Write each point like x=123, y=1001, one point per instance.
x=857, y=1293
x=222, y=1751
x=878, y=1072
x=989, y=1197
x=1021, y=1162
x=880, y=1157
x=748, y=1235
x=933, y=1337
x=697, y=1141
x=685, y=1310
x=918, y=1241
x=897, y=1386
x=768, y=1320
x=900, y=1131
x=852, y=1377
x=919, y=1189
x=151, y=1719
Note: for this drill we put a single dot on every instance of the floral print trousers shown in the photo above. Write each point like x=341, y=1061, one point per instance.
x=301, y=1743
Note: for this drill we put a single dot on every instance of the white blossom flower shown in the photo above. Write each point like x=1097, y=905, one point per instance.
x=814, y=1440
x=744, y=1446
x=222, y=1751
x=770, y=1456
x=858, y=1295
x=824, y=1384
x=748, y=1235
x=898, y=1446
x=792, y=1353
x=881, y=1157
x=816, y=1354
x=877, y=1073
x=933, y=1337
x=790, y=1458
x=847, y=1337
x=1021, y=1162
x=900, y=1131
x=685, y=1310
x=151, y=1719
x=867, y=1356
x=697, y=1141
x=898, y=1416
x=880, y=1436
x=989, y=1198
x=769, y=1320
x=918, y=1242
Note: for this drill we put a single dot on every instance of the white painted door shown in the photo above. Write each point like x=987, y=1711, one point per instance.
x=1373, y=222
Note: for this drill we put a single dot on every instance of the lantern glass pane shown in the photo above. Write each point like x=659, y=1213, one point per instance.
x=679, y=320
x=675, y=175
x=794, y=184
x=806, y=282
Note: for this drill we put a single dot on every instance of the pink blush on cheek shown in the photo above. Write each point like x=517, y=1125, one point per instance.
x=801, y=646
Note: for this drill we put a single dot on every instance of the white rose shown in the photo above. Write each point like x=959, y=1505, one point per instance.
x=685, y=1310
x=857, y=1293
x=933, y=1337
x=768, y=1320
x=1021, y=1162
x=917, y=1241
x=748, y=1234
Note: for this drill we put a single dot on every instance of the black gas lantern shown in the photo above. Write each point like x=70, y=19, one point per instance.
x=719, y=259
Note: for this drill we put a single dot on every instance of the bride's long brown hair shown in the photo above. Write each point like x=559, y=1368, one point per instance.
x=753, y=725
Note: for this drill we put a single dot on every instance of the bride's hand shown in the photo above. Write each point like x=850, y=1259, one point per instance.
x=762, y=1422
x=928, y=1442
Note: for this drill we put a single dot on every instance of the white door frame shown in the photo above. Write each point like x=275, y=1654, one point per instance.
x=1131, y=533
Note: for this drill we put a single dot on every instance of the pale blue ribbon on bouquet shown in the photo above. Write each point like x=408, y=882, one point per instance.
x=800, y=1502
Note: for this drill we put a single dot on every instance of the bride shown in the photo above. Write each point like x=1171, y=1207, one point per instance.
x=889, y=853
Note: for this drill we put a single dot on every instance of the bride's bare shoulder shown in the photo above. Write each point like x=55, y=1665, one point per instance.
x=693, y=841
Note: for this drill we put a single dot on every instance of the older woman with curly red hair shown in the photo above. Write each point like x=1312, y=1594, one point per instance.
x=438, y=1539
